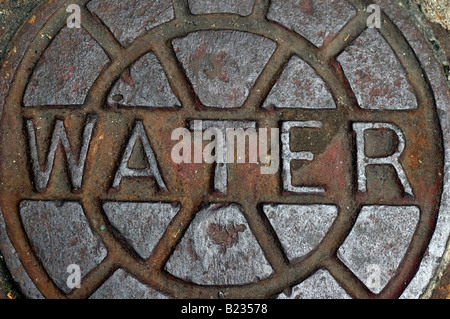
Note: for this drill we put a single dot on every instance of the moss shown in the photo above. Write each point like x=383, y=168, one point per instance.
x=8, y=289
x=437, y=11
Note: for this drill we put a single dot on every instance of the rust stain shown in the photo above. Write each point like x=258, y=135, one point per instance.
x=190, y=184
x=225, y=237
x=32, y=19
x=329, y=169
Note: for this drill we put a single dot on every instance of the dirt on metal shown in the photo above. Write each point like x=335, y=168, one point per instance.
x=334, y=165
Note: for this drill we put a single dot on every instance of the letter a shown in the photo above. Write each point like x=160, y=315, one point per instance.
x=74, y=20
x=181, y=152
x=151, y=171
x=374, y=20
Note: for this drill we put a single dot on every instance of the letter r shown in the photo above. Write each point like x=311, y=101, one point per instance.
x=363, y=161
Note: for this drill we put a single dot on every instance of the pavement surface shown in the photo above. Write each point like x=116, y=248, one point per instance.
x=135, y=224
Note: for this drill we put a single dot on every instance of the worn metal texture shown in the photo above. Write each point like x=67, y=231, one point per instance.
x=113, y=201
x=437, y=11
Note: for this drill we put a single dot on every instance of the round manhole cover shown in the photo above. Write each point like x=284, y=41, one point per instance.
x=209, y=149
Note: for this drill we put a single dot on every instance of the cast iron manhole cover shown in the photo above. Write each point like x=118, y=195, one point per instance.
x=96, y=181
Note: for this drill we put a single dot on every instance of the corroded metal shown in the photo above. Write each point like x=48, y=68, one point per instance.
x=190, y=185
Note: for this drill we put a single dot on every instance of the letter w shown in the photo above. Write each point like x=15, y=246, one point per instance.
x=41, y=173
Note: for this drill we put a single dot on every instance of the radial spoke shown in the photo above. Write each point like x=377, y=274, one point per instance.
x=347, y=279
x=268, y=77
x=100, y=33
x=346, y=36
x=179, y=82
x=181, y=9
x=173, y=234
x=118, y=251
x=261, y=8
x=266, y=237
x=94, y=279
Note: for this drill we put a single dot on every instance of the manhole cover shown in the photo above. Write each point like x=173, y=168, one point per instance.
x=116, y=173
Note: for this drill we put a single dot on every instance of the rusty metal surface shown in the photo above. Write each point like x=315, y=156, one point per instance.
x=202, y=243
